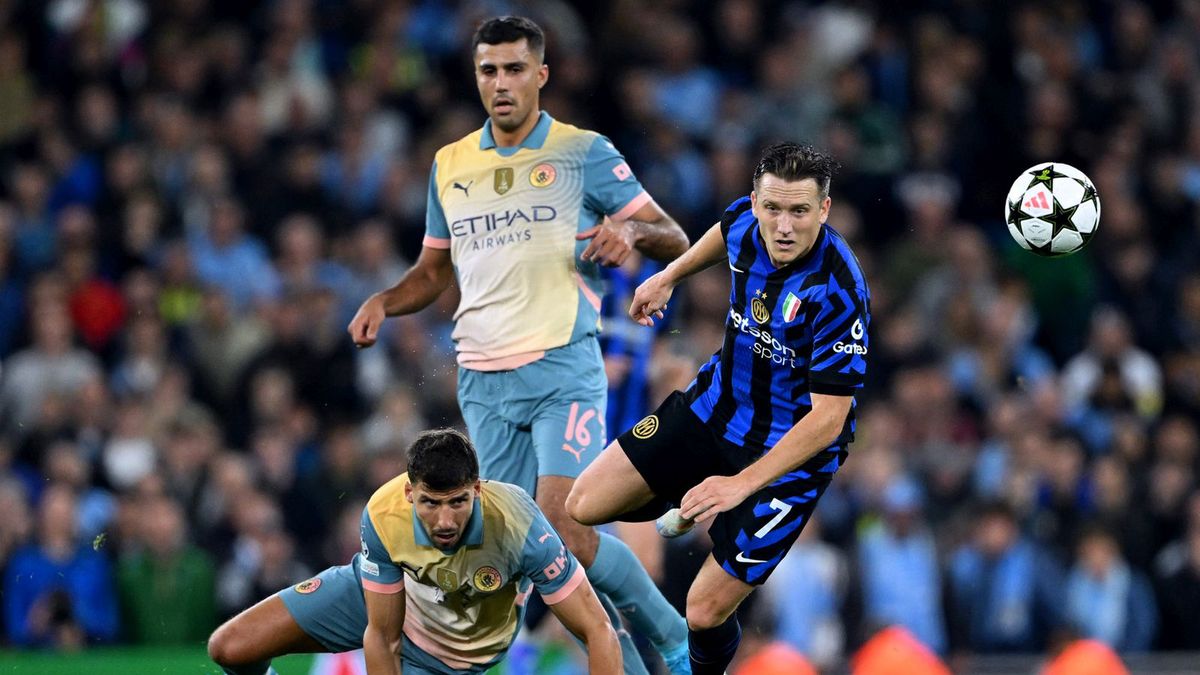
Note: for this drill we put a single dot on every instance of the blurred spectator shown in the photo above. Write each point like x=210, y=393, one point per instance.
x=897, y=558
x=302, y=261
x=1177, y=577
x=12, y=291
x=17, y=525
x=222, y=342
x=52, y=365
x=167, y=585
x=806, y=596
x=263, y=556
x=1106, y=599
x=1113, y=372
x=373, y=264
x=144, y=360
x=34, y=237
x=16, y=88
x=65, y=464
x=686, y=91
x=1006, y=592
x=226, y=257
x=58, y=591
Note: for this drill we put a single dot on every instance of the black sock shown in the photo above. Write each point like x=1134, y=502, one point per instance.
x=712, y=649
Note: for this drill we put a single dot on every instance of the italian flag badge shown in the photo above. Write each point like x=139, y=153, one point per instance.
x=791, y=307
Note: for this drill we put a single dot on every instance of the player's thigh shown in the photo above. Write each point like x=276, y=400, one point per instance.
x=505, y=450
x=262, y=632
x=714, y=595
x=751, y=539
x=608, y=488
x=672, y=450
x=329, y=608
x=569, y=396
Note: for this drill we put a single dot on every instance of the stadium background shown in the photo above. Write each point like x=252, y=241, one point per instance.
x=195, y=195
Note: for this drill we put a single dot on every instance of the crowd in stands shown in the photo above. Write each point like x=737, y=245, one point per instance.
x=196, y=195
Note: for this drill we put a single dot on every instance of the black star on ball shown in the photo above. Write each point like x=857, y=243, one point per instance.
x=1061, y=218
x=1089, y=192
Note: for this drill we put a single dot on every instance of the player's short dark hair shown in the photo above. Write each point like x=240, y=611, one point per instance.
x=442, y=460
x=793, y=161
x=502, y=29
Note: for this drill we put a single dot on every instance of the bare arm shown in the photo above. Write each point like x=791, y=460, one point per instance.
x=416, y=290
x=581, y=613
x=384, y=636
x=649, y=229
x=651, y=297
x=655, y=234
x=812, y=434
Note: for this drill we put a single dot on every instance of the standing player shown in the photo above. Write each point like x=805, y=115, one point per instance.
x=759, y=434
x=446, y=566
x=511, y=209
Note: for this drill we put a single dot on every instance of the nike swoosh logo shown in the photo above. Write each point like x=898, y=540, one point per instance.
x=736, y=269
x=741, y=557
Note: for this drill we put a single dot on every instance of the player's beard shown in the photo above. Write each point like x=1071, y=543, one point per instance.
x=509, y=122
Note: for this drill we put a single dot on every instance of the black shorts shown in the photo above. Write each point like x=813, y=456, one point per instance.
x=674, y=451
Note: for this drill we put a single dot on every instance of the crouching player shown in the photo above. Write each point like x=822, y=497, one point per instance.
x=758, y=435
x=446, y=566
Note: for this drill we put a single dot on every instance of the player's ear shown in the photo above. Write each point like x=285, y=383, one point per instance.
x=408, y=492
x=478, y=488
x=543, y=75
x=825, y=204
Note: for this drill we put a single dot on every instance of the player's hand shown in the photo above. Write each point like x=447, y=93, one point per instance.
x=716, y=494
x=611, y=243
x=650, y=299
x=364, y=327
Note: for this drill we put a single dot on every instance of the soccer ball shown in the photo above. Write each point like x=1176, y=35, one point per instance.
x=1052, y=209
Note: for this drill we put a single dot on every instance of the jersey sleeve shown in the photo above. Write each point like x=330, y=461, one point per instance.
x=732, y=212
x=546, y=561
x=609, y=186
x=839, y=352
x=437, y=230
x=379, y=573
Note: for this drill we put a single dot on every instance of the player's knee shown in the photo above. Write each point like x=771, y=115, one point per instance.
x=225, y=648
x=705, y=612
x=577, y=505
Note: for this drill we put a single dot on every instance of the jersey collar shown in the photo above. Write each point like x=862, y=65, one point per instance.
x=472, y=537
x=534, y=141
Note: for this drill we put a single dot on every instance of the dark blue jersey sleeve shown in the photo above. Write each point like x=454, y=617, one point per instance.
x=839, y=352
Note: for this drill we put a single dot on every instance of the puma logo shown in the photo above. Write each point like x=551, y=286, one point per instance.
x=465, y=188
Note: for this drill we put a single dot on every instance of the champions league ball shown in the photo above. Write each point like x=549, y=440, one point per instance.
x=1052, y=209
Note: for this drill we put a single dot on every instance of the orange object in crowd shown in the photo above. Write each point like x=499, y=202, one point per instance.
x=1086, y=657
x=894, y=651
x=777, y=658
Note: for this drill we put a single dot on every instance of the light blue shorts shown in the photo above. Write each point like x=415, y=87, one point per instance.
x=542, y=419
x=332, y=611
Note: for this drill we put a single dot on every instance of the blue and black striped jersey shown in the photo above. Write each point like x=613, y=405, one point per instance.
x=791, y=332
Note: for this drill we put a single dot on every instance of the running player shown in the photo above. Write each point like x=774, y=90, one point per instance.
x=446, y=566
x=757, y=437
x=524, y=212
